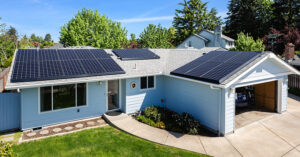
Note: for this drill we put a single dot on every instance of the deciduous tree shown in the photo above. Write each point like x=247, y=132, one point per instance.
x=286, y=35
x=245, y=42
x=155, y=37
x=89, y=28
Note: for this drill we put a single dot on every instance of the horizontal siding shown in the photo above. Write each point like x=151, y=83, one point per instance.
x=197, y=99
x=9, y=111
x=284, y=95
x=137, y=99
x=229, y=111
x=32, y=118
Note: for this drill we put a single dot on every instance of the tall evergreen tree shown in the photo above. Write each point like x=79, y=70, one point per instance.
x=286, y=12
x=194, y=17
x=248, y=16
x=47, y=37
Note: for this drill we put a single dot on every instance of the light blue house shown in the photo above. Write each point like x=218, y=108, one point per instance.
x=147, y=82
x=207, y=38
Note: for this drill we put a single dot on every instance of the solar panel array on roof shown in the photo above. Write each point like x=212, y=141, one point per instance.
x=135, y=54
x=49, y=64
x=216, y=66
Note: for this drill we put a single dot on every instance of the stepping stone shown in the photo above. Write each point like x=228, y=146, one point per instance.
x=90, y=123
x=79, y=125
x=100, y=121
x=68, y=128
x=31, y=134
x=7, y=139
x=44, y=132
x=57, y=130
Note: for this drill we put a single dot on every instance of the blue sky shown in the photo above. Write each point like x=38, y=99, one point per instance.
x=47, y=16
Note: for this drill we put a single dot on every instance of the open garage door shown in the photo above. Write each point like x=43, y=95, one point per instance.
x=265, y=95
x=255, y=102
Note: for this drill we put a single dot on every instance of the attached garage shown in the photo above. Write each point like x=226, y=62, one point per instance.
x=257, y=91
x=255, y=102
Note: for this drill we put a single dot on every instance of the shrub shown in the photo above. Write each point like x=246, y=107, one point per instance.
x=169, y=120
x=6, y=150
x=152, y=113
x=7, y=62
x=294, y=91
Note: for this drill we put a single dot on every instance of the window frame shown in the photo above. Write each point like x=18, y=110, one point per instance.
x=147, y=88
x=52, y=106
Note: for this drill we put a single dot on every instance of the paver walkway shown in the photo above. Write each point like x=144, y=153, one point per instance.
x=63, y=128
x=276, y=135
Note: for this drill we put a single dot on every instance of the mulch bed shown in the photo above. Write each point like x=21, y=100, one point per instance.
x=97, y=122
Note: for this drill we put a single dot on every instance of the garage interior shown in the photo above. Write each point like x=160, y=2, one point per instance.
x=255, y=102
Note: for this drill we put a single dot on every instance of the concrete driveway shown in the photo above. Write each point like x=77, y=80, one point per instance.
x=276, y=135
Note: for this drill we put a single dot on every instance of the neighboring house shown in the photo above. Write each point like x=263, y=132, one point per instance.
x=69, y=84
x=57, y=46
x=207, y=38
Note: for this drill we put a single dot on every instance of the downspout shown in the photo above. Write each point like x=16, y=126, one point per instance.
x=219, y=108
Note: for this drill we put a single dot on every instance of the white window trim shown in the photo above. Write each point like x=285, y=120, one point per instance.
x=154, y=83
x=68, y=108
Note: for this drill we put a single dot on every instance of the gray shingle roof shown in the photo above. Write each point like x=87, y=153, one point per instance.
x=223, y=36
x=170, y=59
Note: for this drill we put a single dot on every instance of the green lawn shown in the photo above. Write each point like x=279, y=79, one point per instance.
x=105, y=141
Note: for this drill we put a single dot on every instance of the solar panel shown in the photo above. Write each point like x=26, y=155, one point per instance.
x=99, y=53
x=135, y=54
x=49, y=64
x=216, y=66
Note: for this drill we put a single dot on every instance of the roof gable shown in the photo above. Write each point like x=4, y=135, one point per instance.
x=266, y=69
x=212, y=33
x=266, y=66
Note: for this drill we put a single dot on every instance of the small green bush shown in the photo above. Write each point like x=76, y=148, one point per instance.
x=7, y=62
x=6, y=150
x=166, y=119
x=294, y=91
x=152, y=113
x=297, y=52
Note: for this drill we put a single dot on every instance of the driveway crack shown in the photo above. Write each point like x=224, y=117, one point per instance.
x=233, y=146
x=276, y=134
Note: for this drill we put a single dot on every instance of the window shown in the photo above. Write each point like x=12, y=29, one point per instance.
x=147, y=82
x=190, y=43
x=60, y=97
x=46, y=104
x=81, y=94
x=63, y=96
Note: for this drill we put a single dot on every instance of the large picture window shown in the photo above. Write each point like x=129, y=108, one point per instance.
x=60, y=97
x=147, y=82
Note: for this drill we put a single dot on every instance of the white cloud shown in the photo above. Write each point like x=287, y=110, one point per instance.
x=146, y=19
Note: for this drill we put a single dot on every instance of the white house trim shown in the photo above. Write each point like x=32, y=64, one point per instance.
x=270, y=55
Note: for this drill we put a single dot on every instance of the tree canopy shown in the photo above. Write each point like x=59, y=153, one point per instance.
x=48, y=37
x=286, y=12
x=89, y=28
x=245, y=42
x=287, y=35
x=248, y=16
x=194, y=17
x=155, y=37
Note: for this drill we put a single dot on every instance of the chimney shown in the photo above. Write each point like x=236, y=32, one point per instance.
x=218, y=36
x=289, y=51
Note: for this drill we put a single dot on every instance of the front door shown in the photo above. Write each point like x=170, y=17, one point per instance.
x=113, y=95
